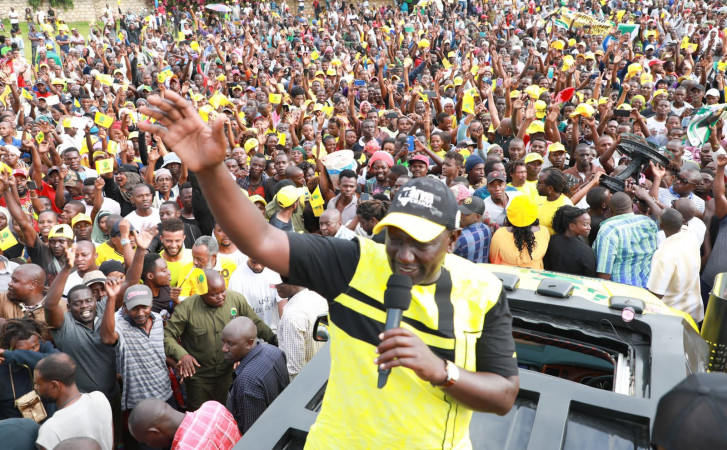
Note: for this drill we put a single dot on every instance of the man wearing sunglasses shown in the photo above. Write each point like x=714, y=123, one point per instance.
x=685, y=182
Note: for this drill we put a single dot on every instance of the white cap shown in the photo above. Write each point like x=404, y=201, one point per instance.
x=12, y=149
x=712, y=93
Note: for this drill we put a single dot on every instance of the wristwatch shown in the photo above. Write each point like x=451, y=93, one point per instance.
x=452, y=375
x=125, y=241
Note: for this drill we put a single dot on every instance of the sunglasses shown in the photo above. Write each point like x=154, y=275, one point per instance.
x=683, y=180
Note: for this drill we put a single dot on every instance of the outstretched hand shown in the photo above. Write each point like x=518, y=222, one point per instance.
x=198, y=145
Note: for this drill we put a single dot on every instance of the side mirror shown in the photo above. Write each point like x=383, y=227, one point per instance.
x=320, y=328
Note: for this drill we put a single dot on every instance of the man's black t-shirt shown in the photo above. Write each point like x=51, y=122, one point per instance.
x=163, y=301
x=327, y=265
x=277, y=223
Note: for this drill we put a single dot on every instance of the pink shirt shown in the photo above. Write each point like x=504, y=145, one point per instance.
x=211, y=427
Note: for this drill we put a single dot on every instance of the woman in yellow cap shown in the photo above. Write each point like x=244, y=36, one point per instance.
x=522, y=241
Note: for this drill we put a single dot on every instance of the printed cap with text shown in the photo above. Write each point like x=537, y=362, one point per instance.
x=423, y=208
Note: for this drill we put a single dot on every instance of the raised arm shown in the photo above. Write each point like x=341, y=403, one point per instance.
x=54, y=315
x=107, y=330
x=202, y=149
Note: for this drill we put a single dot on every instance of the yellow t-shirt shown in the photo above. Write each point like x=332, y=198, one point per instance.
x=175, y=267
x=107, y=252
x=529, y=190
x=188, y=281
x=547, y=209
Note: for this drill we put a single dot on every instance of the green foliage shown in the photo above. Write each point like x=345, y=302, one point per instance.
x=63, y=4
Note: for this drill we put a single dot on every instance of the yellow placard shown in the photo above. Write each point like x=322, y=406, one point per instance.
x=105, y=79
x=446, y=63
x=104, y=166
x=7, y=239
x=317, y=202
x=103, y=120
x=181, y=36
x=281, y=139
x=39, y=137
x=275, y=98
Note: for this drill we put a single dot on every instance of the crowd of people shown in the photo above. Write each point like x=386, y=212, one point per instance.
x=124, y=298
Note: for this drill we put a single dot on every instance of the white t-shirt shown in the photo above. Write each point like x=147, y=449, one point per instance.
x=496, y=212
x=89, y=416
x=139, y=223
x=13, y=16
x=259, y=291
x=237, y=257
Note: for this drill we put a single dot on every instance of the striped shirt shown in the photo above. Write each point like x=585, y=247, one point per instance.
x=295, y=331
x=624, y=247
x=141, y=361
x=474, y=243
x=211, y=427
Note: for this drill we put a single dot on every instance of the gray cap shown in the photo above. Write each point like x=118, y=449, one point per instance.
x=138, y=295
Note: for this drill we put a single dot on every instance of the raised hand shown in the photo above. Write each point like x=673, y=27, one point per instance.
x=144, y=237
x=113, y=287
x=70, y=255
x=199, y=146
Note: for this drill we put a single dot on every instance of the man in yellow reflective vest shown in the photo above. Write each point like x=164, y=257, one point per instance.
x=453, y=353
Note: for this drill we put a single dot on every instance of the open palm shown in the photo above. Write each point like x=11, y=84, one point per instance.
x=198, y=145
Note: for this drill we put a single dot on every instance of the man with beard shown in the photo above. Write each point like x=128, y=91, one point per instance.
x=138, y=336
x=207, y=375
x=204, y=256
x=20, y=180
x=171, y=210
x=78, y=415
x=174, y=252
x=142, y=195
x=24, y=297
x=257, y=283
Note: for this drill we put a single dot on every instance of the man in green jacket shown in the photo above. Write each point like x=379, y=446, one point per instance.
x=193, y=338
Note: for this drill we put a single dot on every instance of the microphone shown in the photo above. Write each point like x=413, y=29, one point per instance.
x=397, y=298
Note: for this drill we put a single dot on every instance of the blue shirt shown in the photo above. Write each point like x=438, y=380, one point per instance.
x=474, y=243
x=624, y=247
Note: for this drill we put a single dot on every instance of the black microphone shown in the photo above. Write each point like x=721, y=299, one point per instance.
x=397, y=298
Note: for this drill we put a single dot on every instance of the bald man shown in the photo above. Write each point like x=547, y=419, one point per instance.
x=261, y=375
x=685, y=182
x=331, y=224
x=24, y=297
x=625, y=244
x=295, y=174
x=193, y=338
x=155, y=423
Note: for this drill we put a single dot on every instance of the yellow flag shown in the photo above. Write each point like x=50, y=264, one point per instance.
x=446, y=63
x=468, y=103
x=112, y=147
x=7, y=239
x=104, y=166
x=103, y=120
x=4, y=94
x=317, y=202
x=76, y=103
x=27, y=95
x=275, y=98
x=105, y=79
x=181, y=36
x=39, y=137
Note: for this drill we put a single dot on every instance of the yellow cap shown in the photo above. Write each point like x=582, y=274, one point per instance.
x=521, y=212
x=81, y=218
x=536, y=127
x=251, y=144
x=61, y=231
x=258, y=198
x=556, y=147
x=287, y=196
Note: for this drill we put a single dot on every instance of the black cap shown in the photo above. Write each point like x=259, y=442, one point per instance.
x=110, y=266
x=693, y=414
x=423, y=208
x=472, y=205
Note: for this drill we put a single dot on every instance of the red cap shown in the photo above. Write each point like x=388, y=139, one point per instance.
x=20, y=172
x=421, y=158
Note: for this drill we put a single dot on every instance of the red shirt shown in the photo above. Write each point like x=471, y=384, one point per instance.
x=47, y=191
x=211, y=427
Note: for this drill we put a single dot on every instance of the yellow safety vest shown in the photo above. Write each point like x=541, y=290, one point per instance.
x=408, y=412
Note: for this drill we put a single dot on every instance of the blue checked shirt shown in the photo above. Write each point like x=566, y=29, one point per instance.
x=474, y=243
x=624, y=247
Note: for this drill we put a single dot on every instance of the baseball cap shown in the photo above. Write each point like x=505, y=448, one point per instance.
x=52, y=169
x=423, y=208
x=251, y=144
x=535, y=127
x=137, y=295
x=93, y=277
x=521, y=212
x=110, y=266
x=81, y=218
x=61, y=231
x=421, y=158
x=171, y=158
x=20, y=172
x=115, y=229
x=530, y=157
x=258, y=198
x=693, y=414
x=472, y=205
x=556, y=147
x=712, y=93
x=287, y=196
x=495, y=175
x=72, y=179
